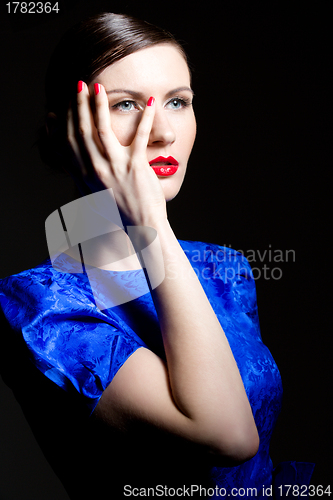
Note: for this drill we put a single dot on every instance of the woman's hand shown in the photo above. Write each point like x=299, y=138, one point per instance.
x=103, y=163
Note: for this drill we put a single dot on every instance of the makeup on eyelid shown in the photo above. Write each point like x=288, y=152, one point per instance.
x=183, y=101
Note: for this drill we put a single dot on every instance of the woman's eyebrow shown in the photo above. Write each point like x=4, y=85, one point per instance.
x=125, y=91
x=138, y=95
x=179, y=89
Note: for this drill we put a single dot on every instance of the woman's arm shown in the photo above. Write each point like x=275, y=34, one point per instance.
x=199, y=394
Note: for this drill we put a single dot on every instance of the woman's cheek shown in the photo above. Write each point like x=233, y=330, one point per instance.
x=185, y=127
x=186, y=133
x=125, y=127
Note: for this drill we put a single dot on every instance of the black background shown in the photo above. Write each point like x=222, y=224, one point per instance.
x=258, y=179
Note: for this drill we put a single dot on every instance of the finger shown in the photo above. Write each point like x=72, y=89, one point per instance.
x=141, y=138
x=86, y=126
x=105, y=133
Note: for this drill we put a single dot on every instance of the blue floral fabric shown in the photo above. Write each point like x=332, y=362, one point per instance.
x=81, y=347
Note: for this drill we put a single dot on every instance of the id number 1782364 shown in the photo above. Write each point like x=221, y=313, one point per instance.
x=304, y=490
x=32, y=7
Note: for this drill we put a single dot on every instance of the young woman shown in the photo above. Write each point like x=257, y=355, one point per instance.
x=148, y=373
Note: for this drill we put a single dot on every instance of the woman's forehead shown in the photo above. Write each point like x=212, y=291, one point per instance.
x=159, y=64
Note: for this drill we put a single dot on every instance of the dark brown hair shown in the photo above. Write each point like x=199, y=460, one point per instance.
x=84, y=51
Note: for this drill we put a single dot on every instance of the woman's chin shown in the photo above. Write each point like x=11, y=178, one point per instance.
x=170, y=194
x=170, y=188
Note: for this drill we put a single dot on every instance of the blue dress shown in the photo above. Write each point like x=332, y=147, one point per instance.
x=80, y=347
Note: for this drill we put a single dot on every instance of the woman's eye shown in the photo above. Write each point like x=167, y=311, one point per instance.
x=175, y=103
x=178, y=103
x=126, y=106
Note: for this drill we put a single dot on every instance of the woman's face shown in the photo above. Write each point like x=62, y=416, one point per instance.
x=159, y=71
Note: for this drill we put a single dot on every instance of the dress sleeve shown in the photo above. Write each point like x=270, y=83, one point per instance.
x=68, y=338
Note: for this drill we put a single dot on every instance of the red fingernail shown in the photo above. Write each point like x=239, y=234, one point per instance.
x=97, y=88
x=151, y=101
x=80, y=86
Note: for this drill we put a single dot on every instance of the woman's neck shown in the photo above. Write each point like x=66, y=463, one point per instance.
x=111, y=251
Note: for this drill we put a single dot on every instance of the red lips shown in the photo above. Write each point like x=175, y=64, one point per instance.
x=164, y=166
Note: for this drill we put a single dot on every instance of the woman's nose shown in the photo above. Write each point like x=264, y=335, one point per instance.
x=161, y=131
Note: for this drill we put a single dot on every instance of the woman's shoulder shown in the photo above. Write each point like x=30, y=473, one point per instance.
x=200, y=252
x=29, y=293
x=224, y=274
x=63, y=265
x=65, y=272
x=15, y=288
